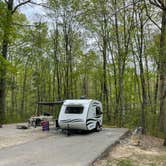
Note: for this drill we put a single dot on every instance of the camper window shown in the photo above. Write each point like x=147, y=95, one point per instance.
x=74, y=110
x=98, y=111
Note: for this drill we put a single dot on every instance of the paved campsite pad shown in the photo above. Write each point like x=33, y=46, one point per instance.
x=61, y=150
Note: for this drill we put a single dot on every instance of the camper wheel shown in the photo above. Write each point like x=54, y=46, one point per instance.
x=98, y=128
x=68, y=132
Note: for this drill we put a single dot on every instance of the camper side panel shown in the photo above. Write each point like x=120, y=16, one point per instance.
x=92, y=117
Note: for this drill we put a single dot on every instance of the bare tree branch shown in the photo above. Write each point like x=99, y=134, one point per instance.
x=6, y=1
x=23, y=25
x=19, y=5
x=41, y=4
x=155, y=4
x=161, y=3
x=150, y=18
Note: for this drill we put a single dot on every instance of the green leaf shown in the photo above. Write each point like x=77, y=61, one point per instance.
x=7, y=64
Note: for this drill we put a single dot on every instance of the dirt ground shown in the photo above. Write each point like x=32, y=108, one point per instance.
x=145, y=151
x=10, y=135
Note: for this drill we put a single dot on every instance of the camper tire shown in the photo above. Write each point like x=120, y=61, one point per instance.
x=68, y=133
x=98, y=128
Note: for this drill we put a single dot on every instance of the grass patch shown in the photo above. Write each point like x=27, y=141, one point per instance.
x=122, y=162
x=125, y=162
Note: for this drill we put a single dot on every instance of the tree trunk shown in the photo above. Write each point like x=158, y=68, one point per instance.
x=12, y=109
x=56, y=65
x=164, y=142
x=66, y=39
x=143, y=83
x=162, y=76
x=22, y=111
x=156, y=91
x=3, y=82
x=104, y=51
x=4, y=55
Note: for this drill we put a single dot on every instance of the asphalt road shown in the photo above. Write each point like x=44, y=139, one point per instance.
x=60, y=150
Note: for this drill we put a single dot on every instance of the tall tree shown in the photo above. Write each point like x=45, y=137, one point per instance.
x=161, y=4
x=140, y=44
x=10, y=10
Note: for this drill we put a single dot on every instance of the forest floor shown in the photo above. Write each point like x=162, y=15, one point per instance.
x=149, y=152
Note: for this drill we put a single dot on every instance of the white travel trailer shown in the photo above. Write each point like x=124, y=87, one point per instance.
x=81, y=114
